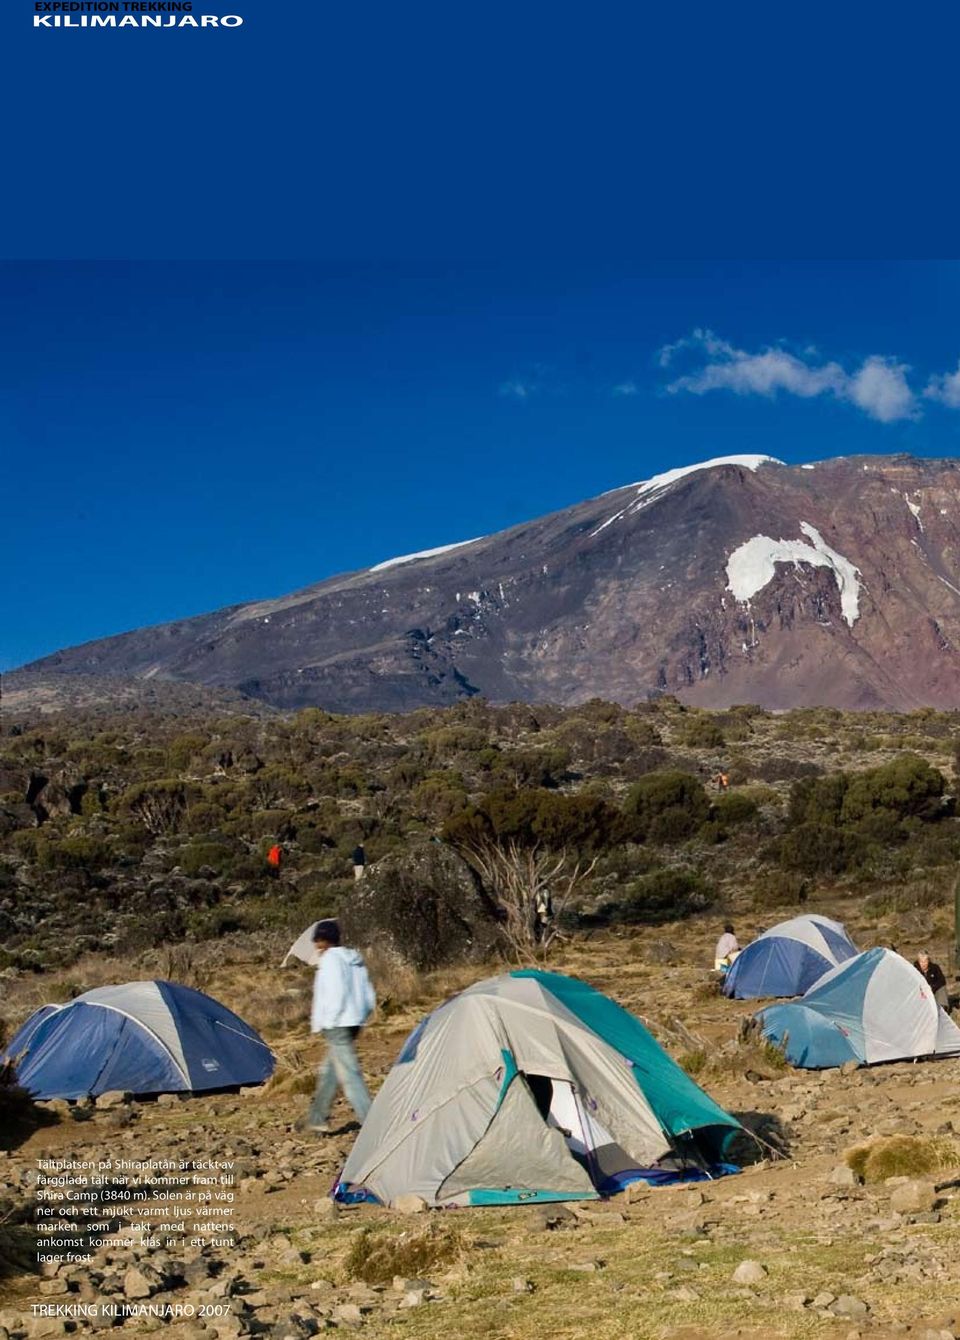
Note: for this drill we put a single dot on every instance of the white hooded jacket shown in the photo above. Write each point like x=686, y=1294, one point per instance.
x=343, y=996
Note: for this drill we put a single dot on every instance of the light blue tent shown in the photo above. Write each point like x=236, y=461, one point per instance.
x=789, y=958
x=143, y=1037
x=875, y=1007
x=533, y=1087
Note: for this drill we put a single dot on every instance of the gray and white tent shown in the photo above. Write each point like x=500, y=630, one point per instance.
x=303, y=948
x=532, y=1086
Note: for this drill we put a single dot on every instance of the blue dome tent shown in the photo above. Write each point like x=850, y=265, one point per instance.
x=789, y=958
x=144, y=1037
x=875, y=1007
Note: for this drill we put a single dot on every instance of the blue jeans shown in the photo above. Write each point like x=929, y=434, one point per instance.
x=340, y=1069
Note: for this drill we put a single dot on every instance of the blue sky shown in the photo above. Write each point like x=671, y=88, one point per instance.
x=181, y=436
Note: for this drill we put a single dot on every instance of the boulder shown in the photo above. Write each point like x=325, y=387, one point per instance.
x=913, y=1197
x=749, y=1272
x=423, y=907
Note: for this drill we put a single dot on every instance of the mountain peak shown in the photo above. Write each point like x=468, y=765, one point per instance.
x=835, y=584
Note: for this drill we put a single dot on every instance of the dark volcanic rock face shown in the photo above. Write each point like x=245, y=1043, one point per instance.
x=746, y=581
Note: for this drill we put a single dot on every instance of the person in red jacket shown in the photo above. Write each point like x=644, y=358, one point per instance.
x=275, y=859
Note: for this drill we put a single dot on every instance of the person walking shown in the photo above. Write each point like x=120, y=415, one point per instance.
x=359, y=861
x=343, y=1000
x=934, y=977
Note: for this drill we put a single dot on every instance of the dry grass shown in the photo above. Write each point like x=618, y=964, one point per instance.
x=902, y=1156
x=376, y=1257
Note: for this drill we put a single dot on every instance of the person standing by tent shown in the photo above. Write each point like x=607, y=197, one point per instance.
x=359, y=861
x=343, y=1000
x=933, y=975
x=728, y=947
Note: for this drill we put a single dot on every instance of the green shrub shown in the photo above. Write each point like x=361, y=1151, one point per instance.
x=73, y=853
x=203, y=817
x=734, y=808
x=664, y=807
x=666, y=894
x=584, y=822
x=198, y=855
x=701, y=733
x=908, y=786
x=819, y=849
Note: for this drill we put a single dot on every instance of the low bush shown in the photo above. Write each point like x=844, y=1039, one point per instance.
x=902, y=1156
x=664, y=895
x=375, y=1258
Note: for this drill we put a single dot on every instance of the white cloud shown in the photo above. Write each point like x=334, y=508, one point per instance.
x=515, y=389
x=626, y=388
x=945, y=388
x=879, y=387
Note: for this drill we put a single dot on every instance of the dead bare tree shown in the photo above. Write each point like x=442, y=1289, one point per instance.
x=532, y=887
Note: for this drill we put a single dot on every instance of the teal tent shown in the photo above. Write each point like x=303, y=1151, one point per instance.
x=533, y=1087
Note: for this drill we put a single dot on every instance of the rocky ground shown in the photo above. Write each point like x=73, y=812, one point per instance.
x=794, y=1246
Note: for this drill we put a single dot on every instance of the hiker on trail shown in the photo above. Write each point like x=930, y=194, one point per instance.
x=274, y=860
x=728, y=947
x=933, y=974
x=343, y=1000
x=359, y=861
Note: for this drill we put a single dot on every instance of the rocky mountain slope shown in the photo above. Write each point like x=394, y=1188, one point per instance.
x=737, y=580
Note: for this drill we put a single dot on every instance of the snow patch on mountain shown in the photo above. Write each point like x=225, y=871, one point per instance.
x=752, y=566
x=424, y=553
x=914, y=508
x=671, y=476
x=647, y=487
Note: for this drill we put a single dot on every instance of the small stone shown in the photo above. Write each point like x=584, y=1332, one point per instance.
x=43, y=1326
x=112, y=1098
x=58, y=1105
x=849, y=1067
x=684, y=1294
x=795, y=1302
x=636, y=1191
x=521, y=1285
x=849, y=1306
x=326, y=1209
x=136, y=1284
x=348, y=1314
x=104, y=1319
x=408, y=1203
x=197, y=1270
x=749, y=1272
x=841, y=1175
x=823, y=1299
